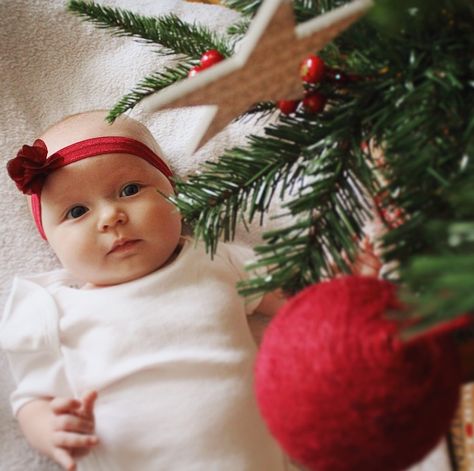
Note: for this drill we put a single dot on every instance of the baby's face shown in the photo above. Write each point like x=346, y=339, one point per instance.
x=106, y=220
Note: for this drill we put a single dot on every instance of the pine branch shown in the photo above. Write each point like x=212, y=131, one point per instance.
x=150, y=84
x=441, y=281
x=304, y=9
x=234, y=189
x=423, y=133
x=307, y=9
x=318, y=175
x=329, y=214
x=246, y=7
x=382, y=104
x=168, y=31
x=263, y=110
x=237, y=30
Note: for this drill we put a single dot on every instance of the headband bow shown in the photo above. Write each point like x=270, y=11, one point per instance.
x=30, y=168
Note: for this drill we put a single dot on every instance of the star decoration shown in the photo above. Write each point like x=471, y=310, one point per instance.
x=266, y=68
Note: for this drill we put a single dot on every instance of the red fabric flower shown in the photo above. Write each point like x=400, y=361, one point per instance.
x=30, y=168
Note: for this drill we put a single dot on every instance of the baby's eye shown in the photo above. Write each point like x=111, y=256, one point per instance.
x=76, y=212
x=130, y=189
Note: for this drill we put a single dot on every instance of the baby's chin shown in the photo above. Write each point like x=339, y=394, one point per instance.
x=117, y=278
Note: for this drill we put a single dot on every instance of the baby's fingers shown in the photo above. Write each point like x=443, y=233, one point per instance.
x=88, y=401
x=74, y=440
x=64, y=459
x=73, y=423
x=62, y=405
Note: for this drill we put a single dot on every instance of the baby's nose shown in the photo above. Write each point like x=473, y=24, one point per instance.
x=110, y=216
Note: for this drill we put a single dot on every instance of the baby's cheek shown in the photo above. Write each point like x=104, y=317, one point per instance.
x=75, y=251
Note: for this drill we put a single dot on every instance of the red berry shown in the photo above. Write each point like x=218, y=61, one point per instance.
x=287, y=106
x=312, y=69
x=211, y=57
x=195, y=70
x=335, y=75
x=392, y=216
x=314, y=102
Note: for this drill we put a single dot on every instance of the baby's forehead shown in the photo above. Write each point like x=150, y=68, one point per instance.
x=108, y=166
x=92, y=125
x=99, y=171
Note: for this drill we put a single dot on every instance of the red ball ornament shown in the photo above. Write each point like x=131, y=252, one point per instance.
x=312, y=69
x=211, y=57
x=287, y=106
x=314, y=102
x=341, y=392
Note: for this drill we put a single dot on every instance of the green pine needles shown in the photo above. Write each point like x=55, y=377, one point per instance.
x=408, y=90
x=171, y=36
x=150, y=84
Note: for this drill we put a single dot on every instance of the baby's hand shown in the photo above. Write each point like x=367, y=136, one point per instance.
x=73, y=428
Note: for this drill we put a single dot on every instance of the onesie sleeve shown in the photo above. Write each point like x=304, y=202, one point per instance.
x=240, y=256
x=29, y=337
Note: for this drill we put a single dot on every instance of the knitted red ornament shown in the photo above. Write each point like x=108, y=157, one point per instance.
x=341, y=392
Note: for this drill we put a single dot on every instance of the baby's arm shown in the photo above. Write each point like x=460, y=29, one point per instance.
x=271, y=303
x=60, y=428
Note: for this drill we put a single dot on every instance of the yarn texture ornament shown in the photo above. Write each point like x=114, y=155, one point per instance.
x=341, y=392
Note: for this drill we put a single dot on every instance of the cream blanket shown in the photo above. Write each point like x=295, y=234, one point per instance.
x=52, y=65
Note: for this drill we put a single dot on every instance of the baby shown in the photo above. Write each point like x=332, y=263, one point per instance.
x=137, y=354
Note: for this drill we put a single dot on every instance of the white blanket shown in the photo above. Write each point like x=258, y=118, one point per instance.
x=53, y=64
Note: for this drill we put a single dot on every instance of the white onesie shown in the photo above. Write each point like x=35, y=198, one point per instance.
x=170, y=354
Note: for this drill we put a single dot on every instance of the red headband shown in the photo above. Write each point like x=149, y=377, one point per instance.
x=30, y=168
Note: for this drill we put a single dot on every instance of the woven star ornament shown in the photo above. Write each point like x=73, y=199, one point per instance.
x=266, y=67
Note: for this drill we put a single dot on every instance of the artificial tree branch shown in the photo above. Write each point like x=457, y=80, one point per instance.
x=168, y=31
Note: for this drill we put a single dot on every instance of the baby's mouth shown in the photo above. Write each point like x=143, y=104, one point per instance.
x=123, y=245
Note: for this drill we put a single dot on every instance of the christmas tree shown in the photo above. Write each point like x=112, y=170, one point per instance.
x=386, y=122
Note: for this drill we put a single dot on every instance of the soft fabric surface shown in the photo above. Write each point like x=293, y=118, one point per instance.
x=52, y=65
